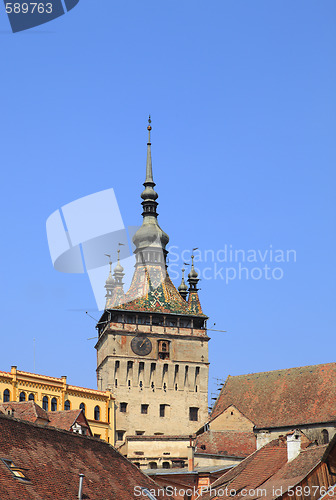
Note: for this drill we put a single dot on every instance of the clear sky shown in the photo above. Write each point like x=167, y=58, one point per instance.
x=242, y=98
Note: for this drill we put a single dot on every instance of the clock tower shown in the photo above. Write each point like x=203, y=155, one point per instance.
x=152, y=349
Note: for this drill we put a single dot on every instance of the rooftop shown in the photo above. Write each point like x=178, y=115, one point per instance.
x=51, y=461
x=282, y=398
x=226, y=443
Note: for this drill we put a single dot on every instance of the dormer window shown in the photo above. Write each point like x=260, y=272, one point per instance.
x=18, y=472
x=163, y=349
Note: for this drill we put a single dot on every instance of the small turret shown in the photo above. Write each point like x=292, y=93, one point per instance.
x=118, y=273
x=183, y=289
x=110, y=282
x=193, y=299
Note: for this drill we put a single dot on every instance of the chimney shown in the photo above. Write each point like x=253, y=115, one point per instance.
x=293, y=445
x=191, y=456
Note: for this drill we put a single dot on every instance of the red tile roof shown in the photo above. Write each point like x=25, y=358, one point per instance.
x=226, y=443
x=52, y=460
x=66, y=419
x=32, y=412
x=25, y=410
x=282, y=398
x=266, y=469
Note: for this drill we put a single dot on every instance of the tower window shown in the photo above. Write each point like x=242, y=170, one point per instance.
x=82, y=407
x=123, y=407
x=144, y=409
x=45, y=403
x=67, y=405
x=163, y=410
x=97, y=413
x=325, y=436
x=54, y=404
x=165, y=465
x=163, y=349
x=22, y=396
x=193, y=413
x=31, y=397
x=6, y=396
x=153, y=465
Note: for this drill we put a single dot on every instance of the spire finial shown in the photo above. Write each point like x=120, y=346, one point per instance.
x=110, y=261
x=149, y=128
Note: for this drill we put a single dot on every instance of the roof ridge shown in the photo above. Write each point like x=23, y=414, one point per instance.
x=282, y=369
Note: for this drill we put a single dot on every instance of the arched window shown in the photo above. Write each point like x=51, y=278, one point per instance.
x=325, y=436
x=97, y=413
x=31, y=397
x=82, y=407
x=165, y=465
x=54, y=404
x=22, y=396
x=6, y=396
x=152, y=465
x=45, y=403
x=67, y=405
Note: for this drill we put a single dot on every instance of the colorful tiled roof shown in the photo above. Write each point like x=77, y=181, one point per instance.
x=152, y=290
x=52, y=460
x=282, y=398
x=226, y=443
x=268, y=469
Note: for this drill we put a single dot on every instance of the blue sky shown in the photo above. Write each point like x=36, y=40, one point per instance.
x=242, y=98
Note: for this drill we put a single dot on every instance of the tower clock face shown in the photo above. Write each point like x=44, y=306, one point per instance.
x=141, y=345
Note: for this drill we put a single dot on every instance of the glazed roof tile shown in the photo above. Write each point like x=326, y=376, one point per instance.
x=152, y=290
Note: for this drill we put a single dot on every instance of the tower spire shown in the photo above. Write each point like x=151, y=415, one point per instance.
x=149, y=170
x=149, y=195
x=150, y=241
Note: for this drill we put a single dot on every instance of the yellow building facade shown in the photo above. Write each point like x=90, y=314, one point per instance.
x=55, y=394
